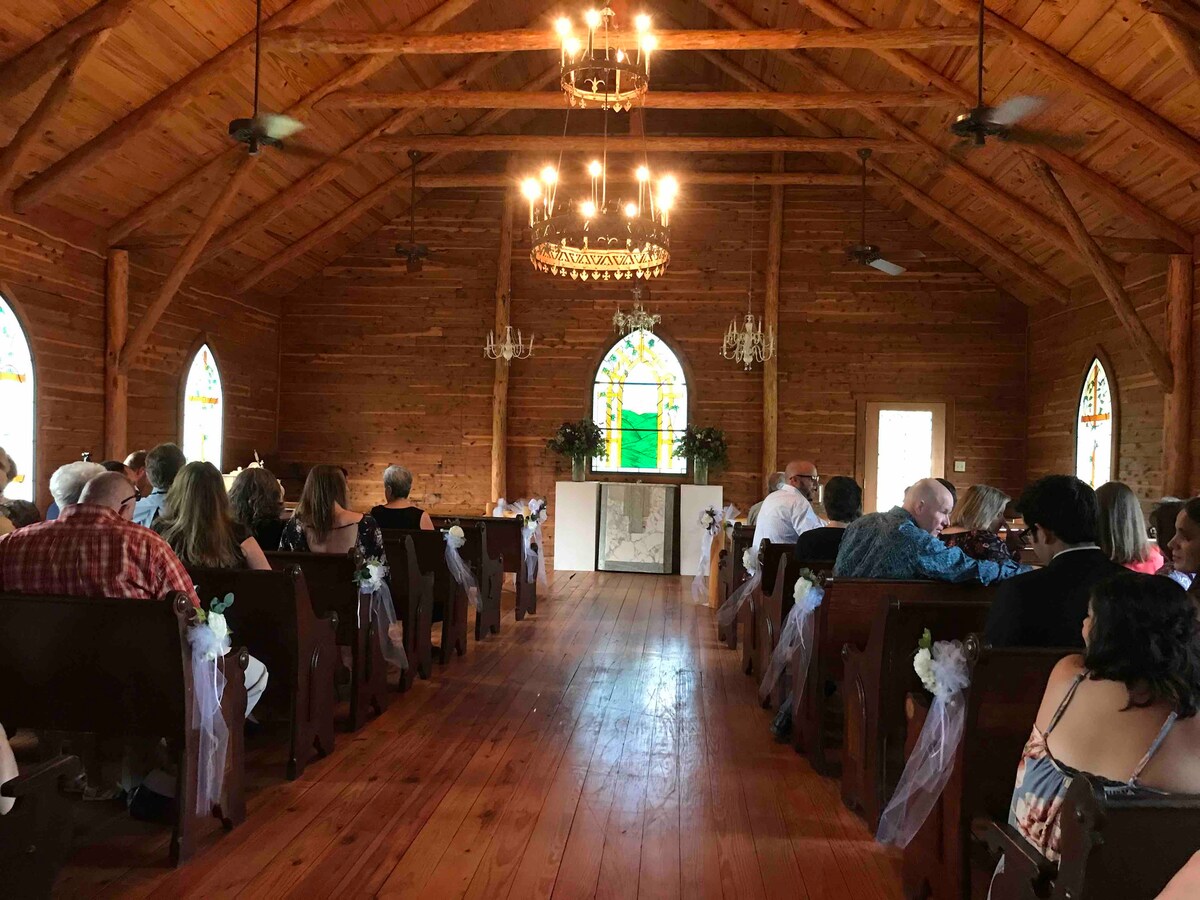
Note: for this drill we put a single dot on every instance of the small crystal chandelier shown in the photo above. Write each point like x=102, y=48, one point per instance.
x=748, y=343
x=509, y=348
x=596, y=74
x=638, y=320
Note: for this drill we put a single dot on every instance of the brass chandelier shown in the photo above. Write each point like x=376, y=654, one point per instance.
x=598, y=236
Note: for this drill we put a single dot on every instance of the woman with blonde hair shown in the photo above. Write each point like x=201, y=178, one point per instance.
x=975, y=524
x=323, y=524
x=1123, y=534
x=197, y=521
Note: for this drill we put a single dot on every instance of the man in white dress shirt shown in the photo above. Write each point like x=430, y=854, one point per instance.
x=788, y=513
x=774, y=483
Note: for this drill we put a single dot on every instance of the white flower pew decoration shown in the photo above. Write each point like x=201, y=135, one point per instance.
x=533, y=512
x=372, y=580
x=712, y=522
x=456, y=539
x=945, y=673
x=728, y=611
x=210, y=639
x=796, y=638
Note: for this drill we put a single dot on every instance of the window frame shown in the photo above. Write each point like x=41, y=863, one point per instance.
x=14, y=304
x=1098, y=355
x=863, y=420
x=205, y=340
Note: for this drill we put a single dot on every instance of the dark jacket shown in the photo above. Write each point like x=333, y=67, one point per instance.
x=1046, y=607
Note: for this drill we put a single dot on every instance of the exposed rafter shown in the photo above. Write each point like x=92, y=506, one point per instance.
x=1185, y=45
x=546, y=143
x=502, y=180
x=1184, y=12
x=55, y=178
x=533, y=39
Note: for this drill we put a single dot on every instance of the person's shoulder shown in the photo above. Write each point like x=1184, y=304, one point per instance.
x=1064, y=672
x=241, y=532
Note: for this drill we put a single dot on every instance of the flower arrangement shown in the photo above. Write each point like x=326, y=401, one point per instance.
x=710, y=519
x=455, y=536
x=577, y=440
x=706, y=445
x=216, y=637
x=370, y=577
x=749, y=559
x=941, y=666
x=809, y=589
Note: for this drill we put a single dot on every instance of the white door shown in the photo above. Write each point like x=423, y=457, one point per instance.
x=905, y=442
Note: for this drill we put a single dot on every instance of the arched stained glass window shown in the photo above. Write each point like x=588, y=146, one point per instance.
x=639, y=401
x=16, y=402
x=1094, y=428
x=203, y=410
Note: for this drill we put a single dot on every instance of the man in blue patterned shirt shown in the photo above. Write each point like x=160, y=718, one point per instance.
x=903, y=543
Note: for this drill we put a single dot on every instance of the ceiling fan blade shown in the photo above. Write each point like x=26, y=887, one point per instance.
x=887, y=267
x=277, y=126
x=1048, y=138
x=1015, y=109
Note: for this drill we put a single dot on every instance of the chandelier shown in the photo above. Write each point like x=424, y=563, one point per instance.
x=596, y=74
x=596, y=235
x=509, y=348
x=748, y=343
x=638, y=320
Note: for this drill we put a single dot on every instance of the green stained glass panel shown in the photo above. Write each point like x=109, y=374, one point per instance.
x=639, y=440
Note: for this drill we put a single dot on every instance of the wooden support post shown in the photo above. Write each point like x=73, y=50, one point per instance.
x=771, y=321
x=116, y=382
x=12, y=155
x=183, y=264
x=1113, y=289
x=500, y=382
x=1177, y=405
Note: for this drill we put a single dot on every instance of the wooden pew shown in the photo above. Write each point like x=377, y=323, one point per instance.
x=1124, y=845
x=273, y=616
x=120, y=668
x=1001, y=705
x=774, y=609
x=769, y=557
x=732, y=573
x=880, y=676
x=489, y=575
x=330, y=578
x=35, y=835
x=504, y=537
x=449, y=598
x=412, y=591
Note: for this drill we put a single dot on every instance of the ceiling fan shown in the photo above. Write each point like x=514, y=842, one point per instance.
x=264, y=129
x=863, y=253
x=414, y=254
x=976, y=125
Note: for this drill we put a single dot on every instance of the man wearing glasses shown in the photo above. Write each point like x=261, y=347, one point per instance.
x=787, y=513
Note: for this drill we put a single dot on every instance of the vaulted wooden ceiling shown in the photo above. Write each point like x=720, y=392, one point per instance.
x=129, y=135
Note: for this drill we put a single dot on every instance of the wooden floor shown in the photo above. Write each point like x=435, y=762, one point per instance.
x=606, y=747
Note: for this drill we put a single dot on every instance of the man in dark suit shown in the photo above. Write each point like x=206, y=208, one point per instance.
x=1046, y=607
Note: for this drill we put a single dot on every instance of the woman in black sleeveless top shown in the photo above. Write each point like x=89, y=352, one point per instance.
x=399, y=511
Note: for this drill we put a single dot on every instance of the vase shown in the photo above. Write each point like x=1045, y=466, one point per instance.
x=579, y=469
x=699, y=471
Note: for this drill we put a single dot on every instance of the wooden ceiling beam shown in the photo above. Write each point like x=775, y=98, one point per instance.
x=1143, y=121
x=299, y=40
x=503, y=180
x=216, y=167
x=980, y=187
x=1159, y=364
x=554, y=143
x=174, y=98
x=337, y=164
x=653, y=100
x=1182, y=11
x=32, y=63
x=1183, y=43
x=1117, y=244
x=48, y=107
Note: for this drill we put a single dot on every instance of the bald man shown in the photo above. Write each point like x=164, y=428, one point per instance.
x=903, y=543
x=787, y=513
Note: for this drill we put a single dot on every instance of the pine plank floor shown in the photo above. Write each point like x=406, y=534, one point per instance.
x=607, y=747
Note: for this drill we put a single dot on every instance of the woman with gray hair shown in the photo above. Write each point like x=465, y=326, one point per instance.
x=975, y=524
x=1123, y=534
x=399, y=511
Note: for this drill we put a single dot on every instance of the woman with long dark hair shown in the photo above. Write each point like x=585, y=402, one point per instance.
x=324, y=524
x=257, y=499
x=198, y=522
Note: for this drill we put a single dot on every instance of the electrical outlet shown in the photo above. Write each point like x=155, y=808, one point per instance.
x=960, y=465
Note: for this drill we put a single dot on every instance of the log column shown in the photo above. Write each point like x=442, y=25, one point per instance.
x=500, y=382
x=771, y=321
x=1177, y=405
x=116, y=382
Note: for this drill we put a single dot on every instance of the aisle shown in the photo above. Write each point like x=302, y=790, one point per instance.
x=605, y=748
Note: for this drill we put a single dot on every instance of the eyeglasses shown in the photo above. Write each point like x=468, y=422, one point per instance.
x=137, y=495
x=815, y=479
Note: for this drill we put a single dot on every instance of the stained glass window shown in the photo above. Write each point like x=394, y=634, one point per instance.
x=639, y=401
x=1094, y=428
x=16, y=402
x=203, y=410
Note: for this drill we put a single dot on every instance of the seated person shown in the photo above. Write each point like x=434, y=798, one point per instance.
x=257, y=499
x=787, y=513
x=162, y=465
x=1123, y=712
x=1185, y=545
x=115, y=465
x=8, y=472
x=67, y=483
x=136, y=461
x=1123, y=534
x=20, y=513
x=975, y=524
x=198, y=523
x=323, y=524
x=903, y=543
x=399, y=511
x=1162, y=520
x=843, y=505
x=775, y=481
x=1045, y=608
x=949, y=485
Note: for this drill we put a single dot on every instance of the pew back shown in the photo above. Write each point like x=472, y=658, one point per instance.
x=506, y=539
x=449, y=599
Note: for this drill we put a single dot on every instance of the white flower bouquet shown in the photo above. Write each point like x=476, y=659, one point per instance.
x=455, y=536
x=371, y=576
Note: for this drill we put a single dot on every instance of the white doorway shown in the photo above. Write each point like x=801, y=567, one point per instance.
x=904, y=442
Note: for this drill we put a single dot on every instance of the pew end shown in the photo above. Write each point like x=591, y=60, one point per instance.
x=36, y=834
